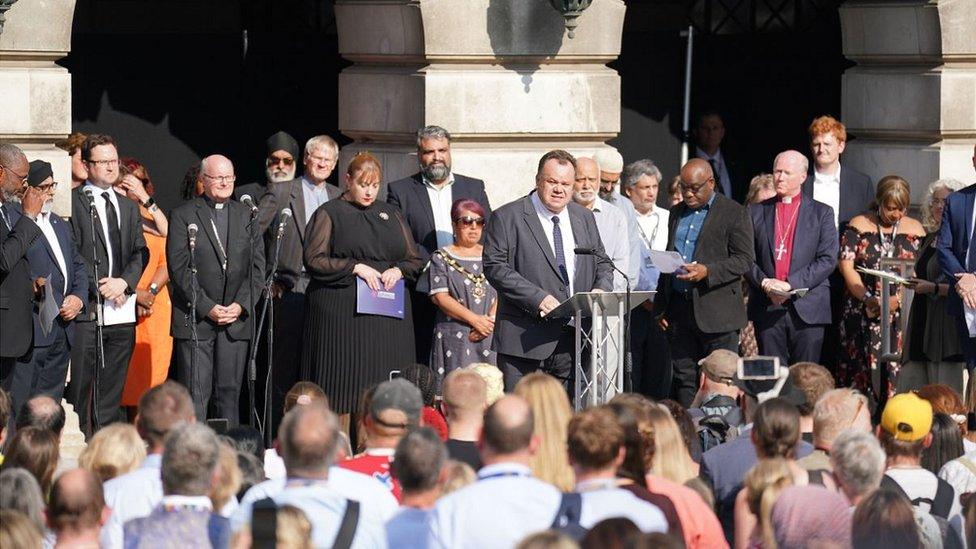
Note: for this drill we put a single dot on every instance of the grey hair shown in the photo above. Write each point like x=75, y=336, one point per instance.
x=804, y=166
x=9, y=154
x=834, y=412
x=858, y=461
x=190, y=456
x=19, y=491
x=322, y=141
x=953, y=185
x=637, y=169
x=420, y=455
x=432, y=132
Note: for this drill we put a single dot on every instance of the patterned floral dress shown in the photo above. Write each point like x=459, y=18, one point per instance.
x=860, y=336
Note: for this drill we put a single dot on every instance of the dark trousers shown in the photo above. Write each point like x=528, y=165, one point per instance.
x=559, y=364
x=650, y=354
x=784, y=334
x=98, y=405
x=223, y=384
x=289, y=322
x=689, y=345
x=968, y=344
x=831, y=347
x=424, y=315
x=43, y=373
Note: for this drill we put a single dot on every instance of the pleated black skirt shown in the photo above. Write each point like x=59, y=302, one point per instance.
x=345, y=352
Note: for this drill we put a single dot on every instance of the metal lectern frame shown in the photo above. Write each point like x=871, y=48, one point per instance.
x=596, y=381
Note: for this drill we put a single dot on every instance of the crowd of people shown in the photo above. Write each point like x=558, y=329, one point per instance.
x=402, y=357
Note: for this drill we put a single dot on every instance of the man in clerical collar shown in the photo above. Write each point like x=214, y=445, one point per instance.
x=796, y=251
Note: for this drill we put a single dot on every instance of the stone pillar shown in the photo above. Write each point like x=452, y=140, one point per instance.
x=911, y=99
x=35, y=92
x=500, y=75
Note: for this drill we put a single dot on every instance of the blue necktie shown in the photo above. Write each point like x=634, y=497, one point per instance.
x=557, y=241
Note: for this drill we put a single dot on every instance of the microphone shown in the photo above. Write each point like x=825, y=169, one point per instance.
x=591, y=251
x=91, y=199
x=191, y=231
x=249, y=202
x=285, y=214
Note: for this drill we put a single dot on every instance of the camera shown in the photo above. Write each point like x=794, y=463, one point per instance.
x=759, y=367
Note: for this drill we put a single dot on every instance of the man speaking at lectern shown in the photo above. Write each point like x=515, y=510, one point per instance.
x=529, y=258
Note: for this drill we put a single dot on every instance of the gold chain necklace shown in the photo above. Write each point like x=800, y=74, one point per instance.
x=478, y=279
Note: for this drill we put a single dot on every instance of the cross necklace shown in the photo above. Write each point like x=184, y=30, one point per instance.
x=785, y=234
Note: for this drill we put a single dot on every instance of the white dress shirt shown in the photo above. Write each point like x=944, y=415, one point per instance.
x=969, y=314
x=565, y=228
x=612, y=224
x=132, y=495
x=826, y=189
x=725, y=182
x=652, y=230
x=44, y=222
x=441, y=200
x=496, y=512
x=608, y=501
x=408, y=529
x=314, y=195
x=625, y=205
x=99, y=201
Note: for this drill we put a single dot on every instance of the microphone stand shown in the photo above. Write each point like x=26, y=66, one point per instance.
x=252, y=374
x=99, y=320
x=267, y=308
x=194, y=289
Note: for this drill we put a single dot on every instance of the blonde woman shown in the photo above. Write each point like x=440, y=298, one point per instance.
x=457, y=475
x=671, y=458
x=494, y=378
x=754, y=504
x=228, y=481
x=114, y=451
x=550, y=406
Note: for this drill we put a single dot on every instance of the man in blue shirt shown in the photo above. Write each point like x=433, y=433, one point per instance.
x=701, y=304
x=417, y=464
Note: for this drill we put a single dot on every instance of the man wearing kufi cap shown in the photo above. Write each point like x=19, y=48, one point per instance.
x=905, y=431
x=60, y=276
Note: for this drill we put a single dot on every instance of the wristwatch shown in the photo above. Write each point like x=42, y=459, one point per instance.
x=153, y=288
x=149, y=203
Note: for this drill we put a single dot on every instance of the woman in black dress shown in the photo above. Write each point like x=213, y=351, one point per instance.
x=348, y=238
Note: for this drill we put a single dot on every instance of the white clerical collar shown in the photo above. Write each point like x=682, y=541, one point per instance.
x=789, y=199
x=218, y=205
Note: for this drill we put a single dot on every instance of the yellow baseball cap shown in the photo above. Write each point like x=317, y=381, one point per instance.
x=907, y=417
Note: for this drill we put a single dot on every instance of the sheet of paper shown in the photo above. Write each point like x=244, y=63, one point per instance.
x=667, y=262
x=798, y=292
x=970, y=315
x=124, y=314
x=47, y=309
x=892, y=277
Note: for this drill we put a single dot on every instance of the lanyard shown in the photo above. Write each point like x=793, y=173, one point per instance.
x=657, y=225
x=220, y=245
x=501, y=474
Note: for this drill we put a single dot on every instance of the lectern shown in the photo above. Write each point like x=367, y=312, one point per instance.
x=597, y=380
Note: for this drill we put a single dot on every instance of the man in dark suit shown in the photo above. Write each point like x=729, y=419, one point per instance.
x=425, y=199
x=702, y=308
x=16, y=238
x=709, y=132
x=956, y=247
x=796, y=247
x=302, y=196
x=229, y=267
x=118, y=250
x=529, y=258
x=848, y=192
x=54, y=259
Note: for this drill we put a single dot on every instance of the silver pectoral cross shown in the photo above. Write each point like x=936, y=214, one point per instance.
x=780, y=251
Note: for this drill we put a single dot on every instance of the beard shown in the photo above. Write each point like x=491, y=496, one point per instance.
x=436, y=172
x=275, y=175
x=48, y=206
x=606, y=194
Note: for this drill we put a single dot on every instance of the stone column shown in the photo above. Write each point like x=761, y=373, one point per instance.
x=911, y=99
x=501, y=75
x=35, y=93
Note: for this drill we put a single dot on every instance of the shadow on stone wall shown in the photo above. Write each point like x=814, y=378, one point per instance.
x=524, y=34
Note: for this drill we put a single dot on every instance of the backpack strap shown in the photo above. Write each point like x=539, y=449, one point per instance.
x=942, y=503
x=968, y=465
x=888, y=483
x=264, y=524
x=568, y=515
x=347, y=530
x=816, y=477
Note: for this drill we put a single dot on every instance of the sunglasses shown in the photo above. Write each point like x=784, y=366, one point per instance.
x=468, y=221
x=275, y=160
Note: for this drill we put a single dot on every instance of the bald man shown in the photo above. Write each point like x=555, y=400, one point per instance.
x=701, y=305
x=796, y=251
x=230, y=272
x=107, y=230
x=77, y=509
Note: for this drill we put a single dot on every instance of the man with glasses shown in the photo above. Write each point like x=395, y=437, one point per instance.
x=54, y=262
x=18, y=231
x=700, y=305
x=303, y=195
x=425, y=199
x=119, y=252
x=279, y=166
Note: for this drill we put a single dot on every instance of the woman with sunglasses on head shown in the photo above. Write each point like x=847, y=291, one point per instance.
x=465, y=301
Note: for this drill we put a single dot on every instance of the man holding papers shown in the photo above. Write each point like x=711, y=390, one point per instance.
x=229, y=274
x=701, y=305
x=796, y=250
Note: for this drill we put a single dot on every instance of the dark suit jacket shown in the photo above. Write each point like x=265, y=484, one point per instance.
x=135, y=254
x=42, y=263
x=725, y=246
x=856, y=194
x=815, y=247
x=520, y=264
x=287, y=194
x=215, y=287
x=16, y=287
x=953, y=241
x=410, y=195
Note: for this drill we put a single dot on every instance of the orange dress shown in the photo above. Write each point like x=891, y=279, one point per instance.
x=154, y=346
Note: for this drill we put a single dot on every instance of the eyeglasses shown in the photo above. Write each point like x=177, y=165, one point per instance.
x=22, y=178
x=322, y=159
x=49, y=187
x=468, y=221
x=685, y=188
x=105, y=163
x=275, y=160
x=221, y=178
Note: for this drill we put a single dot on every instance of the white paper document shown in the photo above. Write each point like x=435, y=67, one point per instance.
x=667, y=262
x=890, y=276
x=798, y=292
x=970, y=315
x=124, y=314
